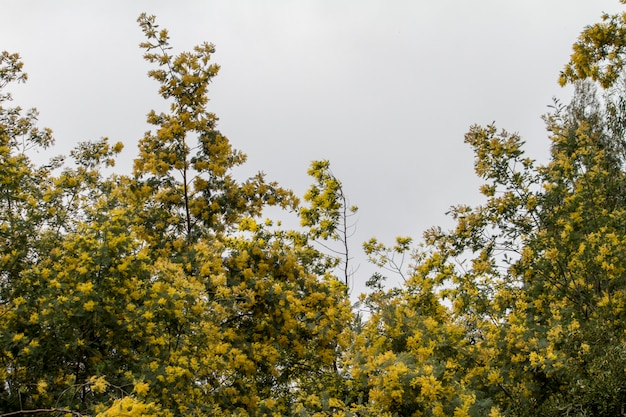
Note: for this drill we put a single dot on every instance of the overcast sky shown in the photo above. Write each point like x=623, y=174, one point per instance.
x=384, y=89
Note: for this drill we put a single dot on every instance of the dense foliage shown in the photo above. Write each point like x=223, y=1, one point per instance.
x=165, y=292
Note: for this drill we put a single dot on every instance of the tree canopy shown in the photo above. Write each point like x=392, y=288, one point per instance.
x=166, y=292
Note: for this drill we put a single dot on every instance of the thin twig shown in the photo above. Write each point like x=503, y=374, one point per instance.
x=41, y=410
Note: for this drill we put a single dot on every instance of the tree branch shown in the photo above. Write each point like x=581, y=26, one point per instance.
x=40, y=411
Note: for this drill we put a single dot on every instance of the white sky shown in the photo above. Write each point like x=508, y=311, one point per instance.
x=384, y=89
